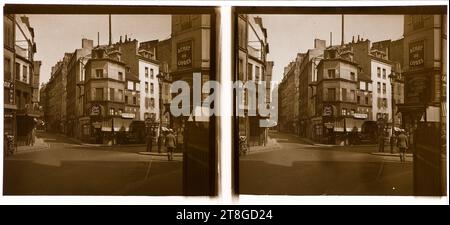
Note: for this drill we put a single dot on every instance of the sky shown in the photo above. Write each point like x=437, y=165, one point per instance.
x=57, y=34
x=291, y=34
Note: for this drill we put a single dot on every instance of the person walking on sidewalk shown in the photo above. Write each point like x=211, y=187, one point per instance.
x=402, y=144
x=170, y=144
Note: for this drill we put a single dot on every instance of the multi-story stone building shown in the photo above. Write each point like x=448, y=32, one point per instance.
x=10, y=107
x=252, y=60
x=24, y=71
x=424, y=70
x=104, y=93
x=75, y=88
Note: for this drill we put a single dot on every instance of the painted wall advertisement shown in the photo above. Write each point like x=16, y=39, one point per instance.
x=184, y=54
x=416, y=54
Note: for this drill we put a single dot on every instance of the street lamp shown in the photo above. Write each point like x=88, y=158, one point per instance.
x=392, y=78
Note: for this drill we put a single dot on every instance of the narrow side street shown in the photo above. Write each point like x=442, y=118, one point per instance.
x=68, y=168
x=299, y=168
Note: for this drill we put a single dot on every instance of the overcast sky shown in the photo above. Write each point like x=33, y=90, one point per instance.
x=57, y=34
x=292, y=34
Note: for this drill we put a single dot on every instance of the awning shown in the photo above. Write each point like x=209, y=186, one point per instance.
x=120, y=124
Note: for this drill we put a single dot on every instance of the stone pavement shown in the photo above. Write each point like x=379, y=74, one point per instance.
x=39, y=145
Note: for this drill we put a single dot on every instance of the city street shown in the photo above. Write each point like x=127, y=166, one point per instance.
x=298, y=168
x=69, y=168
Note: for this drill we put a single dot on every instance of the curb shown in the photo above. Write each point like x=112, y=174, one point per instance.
x=389, y=154
x=159, y=154
x=261, y=150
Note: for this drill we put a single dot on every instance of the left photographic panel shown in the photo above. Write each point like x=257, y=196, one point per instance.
x=97, y=100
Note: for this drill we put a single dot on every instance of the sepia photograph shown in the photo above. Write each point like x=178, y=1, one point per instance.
x=89, y=105
x=357, y=101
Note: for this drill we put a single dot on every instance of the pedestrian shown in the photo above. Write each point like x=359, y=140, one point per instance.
x=150, y=141
x=381, y=142
x=354, y=135
x=160, y=141
x=392, y=141
x=402, y=144
x=170, y=144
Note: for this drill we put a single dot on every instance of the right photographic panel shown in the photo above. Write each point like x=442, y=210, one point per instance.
x=340, y=101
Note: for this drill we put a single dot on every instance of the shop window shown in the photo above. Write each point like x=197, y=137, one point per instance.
x=343, y=112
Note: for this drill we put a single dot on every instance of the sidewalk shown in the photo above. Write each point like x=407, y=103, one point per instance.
x=79, y=142
x=391, y=154
x=271, y=145
x=39, y=145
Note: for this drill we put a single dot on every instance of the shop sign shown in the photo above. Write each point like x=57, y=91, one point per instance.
x=329, y=125
x=184, y=54
x=327, y=110
x=360, y=116
x=128, y=115
x=96, y=110
x=97, y=124
x=416, y=54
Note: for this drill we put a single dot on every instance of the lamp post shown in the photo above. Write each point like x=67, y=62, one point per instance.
x=392, y=78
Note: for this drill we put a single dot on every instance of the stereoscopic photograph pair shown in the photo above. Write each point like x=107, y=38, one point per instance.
x=123, y=100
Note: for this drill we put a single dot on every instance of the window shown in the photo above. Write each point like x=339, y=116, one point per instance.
x=344, y=94
x=152, y=73
x=378, y=87
x=24, y=73
x=126, y=99
x=352, y=76
x=137, y=87
x=119, y=112
x=367, y=86
x=130, y=85
x=249, y=71
x=152, y=88
x=384, y=88
x=111, y=94
x=120, y=76
x=99, y=94
x=111, y=111
x=7, y=69
x=352, y=112
x=343, y=112
x=17, y=71
x=99, y=73
x=147, y=102
x=384, y=73
x=384, y=102
x=359, y=99
x=120, y=95
x=134, y=100
x=379, y=72
x=257, y=70
x=146, y=87
x=352, y=95
x=331, y=74
x=331, y=94
x=146, y=71
x=417, y=22
x=240, y=70
x=152, y=102
x=366, y=100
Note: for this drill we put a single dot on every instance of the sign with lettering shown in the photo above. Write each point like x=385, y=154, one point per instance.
x=96, y=110
x=327, y=110
x=184, y=54
x=416, y=54
x=360, y=116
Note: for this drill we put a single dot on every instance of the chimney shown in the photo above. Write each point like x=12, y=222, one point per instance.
x=331, y=38
x=110, y=41
x=358, y=38
x=98, y=38
x=120, y=41
x=126, y=39
x=86, y=43
x=353, y=39
x=319, y=44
